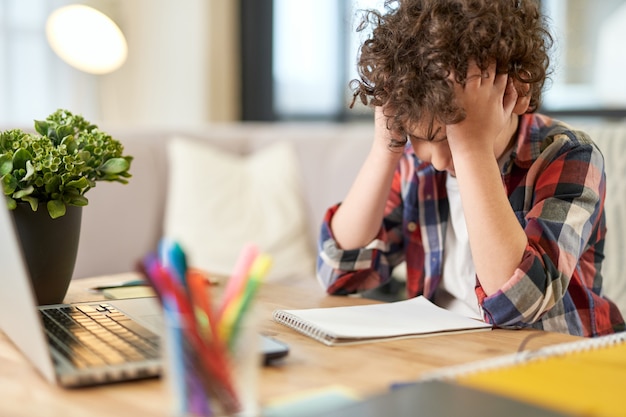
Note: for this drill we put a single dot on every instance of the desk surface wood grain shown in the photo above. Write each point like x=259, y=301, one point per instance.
x=364, y=369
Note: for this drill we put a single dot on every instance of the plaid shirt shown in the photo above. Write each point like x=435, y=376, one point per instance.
x=555, y=182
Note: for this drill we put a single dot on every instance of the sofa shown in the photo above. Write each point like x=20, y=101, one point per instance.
x=215, y=188
x=268, y=184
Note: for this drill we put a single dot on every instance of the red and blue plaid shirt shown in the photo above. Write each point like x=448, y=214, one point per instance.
x=555, y=182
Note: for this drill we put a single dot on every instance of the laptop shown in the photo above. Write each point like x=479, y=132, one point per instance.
x=433, y=399
x=58, y=339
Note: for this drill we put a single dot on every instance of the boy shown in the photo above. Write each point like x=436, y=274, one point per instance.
x=497, y=211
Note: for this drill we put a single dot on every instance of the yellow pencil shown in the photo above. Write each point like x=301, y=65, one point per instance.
x=235, y=310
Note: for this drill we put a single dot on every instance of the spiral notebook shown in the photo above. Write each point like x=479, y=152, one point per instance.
x=579, y=378
x=377, y=322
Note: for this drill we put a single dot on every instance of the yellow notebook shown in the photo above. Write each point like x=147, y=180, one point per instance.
x=586, y=378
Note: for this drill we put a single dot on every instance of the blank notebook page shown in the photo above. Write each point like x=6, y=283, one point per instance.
x=350, y=324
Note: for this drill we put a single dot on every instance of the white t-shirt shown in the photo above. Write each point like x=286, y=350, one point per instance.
x=456, y=289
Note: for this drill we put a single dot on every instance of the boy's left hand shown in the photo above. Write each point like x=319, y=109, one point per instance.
x=497, y=240
x=488, y=100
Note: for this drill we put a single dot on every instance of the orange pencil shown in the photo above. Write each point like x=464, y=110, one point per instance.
x=201, y=300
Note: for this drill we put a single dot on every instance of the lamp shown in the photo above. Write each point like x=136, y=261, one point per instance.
x=86, y=39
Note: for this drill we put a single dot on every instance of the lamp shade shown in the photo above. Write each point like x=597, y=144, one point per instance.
x=86, y=39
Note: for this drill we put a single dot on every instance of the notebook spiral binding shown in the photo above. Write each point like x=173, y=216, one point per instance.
x=304, y=328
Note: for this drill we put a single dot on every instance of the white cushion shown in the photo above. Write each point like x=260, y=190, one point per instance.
x=218, y=201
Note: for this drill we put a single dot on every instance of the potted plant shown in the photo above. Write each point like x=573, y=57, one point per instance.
x=45, y=176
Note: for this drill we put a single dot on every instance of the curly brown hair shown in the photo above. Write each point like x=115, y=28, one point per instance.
x=415, y=45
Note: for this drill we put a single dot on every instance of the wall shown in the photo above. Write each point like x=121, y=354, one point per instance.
x=182, y=63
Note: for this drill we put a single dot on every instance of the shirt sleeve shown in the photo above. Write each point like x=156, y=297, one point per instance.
x=565, y=190
x=349, y=271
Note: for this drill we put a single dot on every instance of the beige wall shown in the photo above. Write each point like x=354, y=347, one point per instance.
x=182, y=66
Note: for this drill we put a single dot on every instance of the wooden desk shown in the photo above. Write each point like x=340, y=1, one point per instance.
x=365, y=369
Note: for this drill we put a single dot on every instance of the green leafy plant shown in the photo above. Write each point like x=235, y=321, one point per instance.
x=61, y=162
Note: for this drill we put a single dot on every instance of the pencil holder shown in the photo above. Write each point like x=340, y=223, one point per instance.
x=211, y=349
x=246, y=362
x=229, y=388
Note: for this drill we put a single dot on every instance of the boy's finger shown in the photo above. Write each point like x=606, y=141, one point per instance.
x=487, y=76
x=501, y=82
x=510, y=96
x=474, y=74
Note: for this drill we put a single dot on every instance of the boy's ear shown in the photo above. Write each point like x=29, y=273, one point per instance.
x=523, y=98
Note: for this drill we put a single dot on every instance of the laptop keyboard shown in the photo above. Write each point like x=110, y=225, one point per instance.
x=98, y=335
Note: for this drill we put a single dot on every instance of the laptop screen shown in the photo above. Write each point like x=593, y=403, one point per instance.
x=19, y=317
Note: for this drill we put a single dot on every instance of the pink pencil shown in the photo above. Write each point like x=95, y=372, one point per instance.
x=237, y=281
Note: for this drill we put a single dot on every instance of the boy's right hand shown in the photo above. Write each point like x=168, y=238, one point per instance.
x=383, y=136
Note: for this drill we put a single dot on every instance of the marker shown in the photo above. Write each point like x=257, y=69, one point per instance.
x=132, y=283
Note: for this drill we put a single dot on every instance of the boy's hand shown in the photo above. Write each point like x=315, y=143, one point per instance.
x=488, y=100
x=384, y=137
x=496, y=237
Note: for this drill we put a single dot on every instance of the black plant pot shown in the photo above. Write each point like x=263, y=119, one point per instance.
x=49, y=247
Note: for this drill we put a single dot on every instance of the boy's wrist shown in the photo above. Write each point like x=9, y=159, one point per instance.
x=384, y=152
